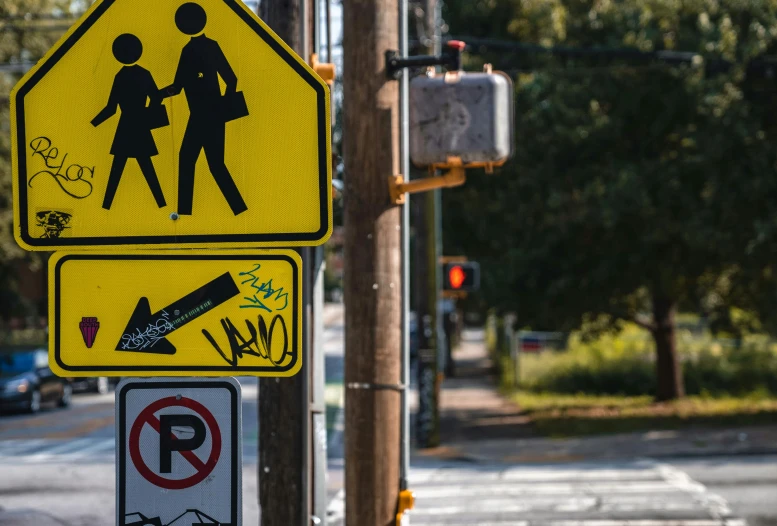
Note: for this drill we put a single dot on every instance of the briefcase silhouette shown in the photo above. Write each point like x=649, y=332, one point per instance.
x=156, y=116
x=233, y=106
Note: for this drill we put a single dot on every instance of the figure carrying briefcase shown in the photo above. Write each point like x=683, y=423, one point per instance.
x=233, y=106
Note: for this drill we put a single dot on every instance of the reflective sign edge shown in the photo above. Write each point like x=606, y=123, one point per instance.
x=63, y=370
x=21, y=230
x=236, y=395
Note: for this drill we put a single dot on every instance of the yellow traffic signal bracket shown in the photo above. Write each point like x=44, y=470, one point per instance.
x=406, y=503
x=455, y=176
x=325, y=70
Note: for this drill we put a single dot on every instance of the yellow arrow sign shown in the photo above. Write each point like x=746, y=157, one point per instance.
x=192, y=125
x=174, y=313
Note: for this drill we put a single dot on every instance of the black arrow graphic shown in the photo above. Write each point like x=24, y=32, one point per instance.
x=146, y=332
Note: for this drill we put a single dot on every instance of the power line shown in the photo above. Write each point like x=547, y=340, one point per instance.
x=765, y=65
x=581, y=70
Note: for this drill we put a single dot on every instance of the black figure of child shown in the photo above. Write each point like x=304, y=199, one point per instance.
x=132, y=88
x=201, y=64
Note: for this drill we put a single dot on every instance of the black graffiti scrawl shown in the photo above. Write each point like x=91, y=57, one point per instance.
x=52, y=222
x=146, y=332
x=201, y=64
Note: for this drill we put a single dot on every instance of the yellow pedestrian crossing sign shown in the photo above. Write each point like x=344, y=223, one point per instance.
x=175, y=313
x=155, y=123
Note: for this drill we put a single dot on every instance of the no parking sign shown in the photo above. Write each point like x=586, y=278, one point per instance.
x=179, y=453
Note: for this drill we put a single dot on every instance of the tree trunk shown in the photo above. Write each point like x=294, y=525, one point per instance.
x=669, y=374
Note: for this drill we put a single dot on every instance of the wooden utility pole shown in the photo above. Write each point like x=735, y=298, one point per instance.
x=283, y=402
x=285, y=18
x=372, y=257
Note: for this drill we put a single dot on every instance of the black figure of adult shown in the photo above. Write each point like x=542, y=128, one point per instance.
x=201, y=64
x=132, y=88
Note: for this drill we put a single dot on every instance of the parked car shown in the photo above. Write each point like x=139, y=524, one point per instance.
x=96, y=384
x=27, y=382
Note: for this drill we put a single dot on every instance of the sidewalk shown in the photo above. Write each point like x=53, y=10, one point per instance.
x=478, y=424
x=333, y=314
x=26, y=518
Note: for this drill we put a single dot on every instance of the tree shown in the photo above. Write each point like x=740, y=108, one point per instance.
x=30, y=28
x=636, y=187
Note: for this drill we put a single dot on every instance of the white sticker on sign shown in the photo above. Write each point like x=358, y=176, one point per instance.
x=179, y=452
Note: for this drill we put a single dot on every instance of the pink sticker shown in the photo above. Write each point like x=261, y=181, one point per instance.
x=89, y=327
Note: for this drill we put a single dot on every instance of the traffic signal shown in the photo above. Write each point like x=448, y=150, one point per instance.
x=461, y=276
x=471, y=118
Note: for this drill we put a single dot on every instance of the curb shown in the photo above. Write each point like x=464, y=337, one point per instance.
x=754, y=452
x=452, y=453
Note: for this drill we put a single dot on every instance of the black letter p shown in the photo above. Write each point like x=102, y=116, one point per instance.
x=169, y=442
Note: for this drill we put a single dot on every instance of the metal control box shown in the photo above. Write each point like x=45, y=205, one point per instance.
x=466, y=115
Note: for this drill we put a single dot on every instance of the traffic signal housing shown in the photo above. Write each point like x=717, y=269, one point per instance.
x=464, y=277
x=464, y=115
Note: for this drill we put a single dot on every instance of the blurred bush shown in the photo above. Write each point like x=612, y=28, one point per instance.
x=624, y=364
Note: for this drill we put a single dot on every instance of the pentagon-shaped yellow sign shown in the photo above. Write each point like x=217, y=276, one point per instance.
x=158, y=123
x=175, y=313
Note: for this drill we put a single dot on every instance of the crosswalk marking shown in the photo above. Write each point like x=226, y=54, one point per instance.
x=629, y=493
x=97, y=448
x=91, y=450
x=733, y=522
x=523, y=489
x=49, y=453
x=15, y=447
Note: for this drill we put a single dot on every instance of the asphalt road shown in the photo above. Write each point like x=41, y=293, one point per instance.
x=702, y=491
x=86, y=428
x=57, y=468
x=747, y=483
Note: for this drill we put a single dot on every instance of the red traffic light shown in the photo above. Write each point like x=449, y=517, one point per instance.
x=463, y=277
x=456, y=276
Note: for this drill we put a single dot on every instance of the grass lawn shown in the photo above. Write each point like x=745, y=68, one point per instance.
x=560, y=415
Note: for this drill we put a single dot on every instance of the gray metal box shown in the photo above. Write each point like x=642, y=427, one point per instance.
x=470, y=118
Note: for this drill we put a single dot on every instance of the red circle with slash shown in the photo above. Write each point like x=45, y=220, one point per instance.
x=203, y=468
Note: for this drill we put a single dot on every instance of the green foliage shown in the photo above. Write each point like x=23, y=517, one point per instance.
x=30, y=28
x=624, y=365
x=610, y=365
x=630, y=179
x=750, y=370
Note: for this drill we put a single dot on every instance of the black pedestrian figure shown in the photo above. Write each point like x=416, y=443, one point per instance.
x=201, y=64
x=132, y=88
